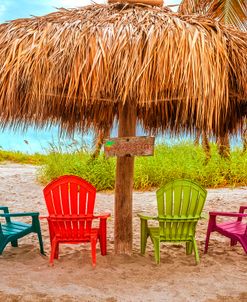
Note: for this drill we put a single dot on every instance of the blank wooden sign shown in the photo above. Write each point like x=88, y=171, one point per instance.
x=129, y=146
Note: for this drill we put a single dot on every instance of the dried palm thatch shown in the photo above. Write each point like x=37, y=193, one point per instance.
x=77, y=67
x=226, y=11
x=147, y=2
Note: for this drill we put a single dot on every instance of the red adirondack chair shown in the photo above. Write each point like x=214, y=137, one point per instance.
x=235, y=230
x=70, y=203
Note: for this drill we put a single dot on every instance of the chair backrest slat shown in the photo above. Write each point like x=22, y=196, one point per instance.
x=82, y=201
x=177, y=196
x=186, y=192
x=74, y=197
x=64, y=187
x=57, y=201
x=49, y=203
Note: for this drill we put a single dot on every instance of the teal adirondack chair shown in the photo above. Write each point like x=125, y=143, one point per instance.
x=180, y=204
x=11, y=231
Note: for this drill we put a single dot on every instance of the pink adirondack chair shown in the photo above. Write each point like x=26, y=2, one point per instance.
x=235, y=230
x=70, y=203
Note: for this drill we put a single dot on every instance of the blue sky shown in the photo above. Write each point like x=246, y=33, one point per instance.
x=13, y=9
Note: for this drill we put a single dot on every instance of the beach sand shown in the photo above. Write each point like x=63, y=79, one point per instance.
x=27, y=276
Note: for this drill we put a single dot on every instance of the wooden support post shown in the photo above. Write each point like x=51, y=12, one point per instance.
x=124, y=185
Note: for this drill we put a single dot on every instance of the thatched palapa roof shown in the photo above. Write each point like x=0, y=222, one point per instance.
x=77, y=66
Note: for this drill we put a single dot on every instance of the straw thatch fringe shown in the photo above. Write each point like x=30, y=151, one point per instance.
x=226, y=11
x=76, y=67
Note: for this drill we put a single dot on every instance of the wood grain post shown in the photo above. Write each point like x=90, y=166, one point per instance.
x=124, y=185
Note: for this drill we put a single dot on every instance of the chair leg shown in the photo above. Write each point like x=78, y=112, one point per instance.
x=54, y=247
x=144, y=235
x=56, y=255
x=52, y=234
x=233, y=242
x=14, y=243
x=189, y=248
x=207, y=238
x=37, y=229
x=156, y=243
x=102, y=237
x=243, y=242
x=103, y=248
x=196, y=251
x=41, y=246
x=93, y=250
x=2, y=246
x=211, y=228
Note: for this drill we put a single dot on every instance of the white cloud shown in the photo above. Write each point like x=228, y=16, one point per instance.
x=2, y=9
x=172, y=2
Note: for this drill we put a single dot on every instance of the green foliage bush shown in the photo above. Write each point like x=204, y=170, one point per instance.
x=100, y=172
x=169, y=162
x=19, y=157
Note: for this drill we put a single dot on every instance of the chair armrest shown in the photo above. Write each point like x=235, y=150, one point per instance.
x=43, y=217
x=53, y=218
x=5, y=209
x=68, y=216
x=102, y=215
x=147, y=217
x=76, y=217
x=20, y=214
x=241, y=210
x=227, y=214
x=59, y=219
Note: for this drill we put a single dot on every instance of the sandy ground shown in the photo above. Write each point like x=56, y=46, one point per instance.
x=26, y=275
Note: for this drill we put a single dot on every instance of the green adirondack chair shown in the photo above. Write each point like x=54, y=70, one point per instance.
x=180, y=204
x=11, y=231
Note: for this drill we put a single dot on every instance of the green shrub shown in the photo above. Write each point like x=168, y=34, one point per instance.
x=100, y=172
x=19, y=157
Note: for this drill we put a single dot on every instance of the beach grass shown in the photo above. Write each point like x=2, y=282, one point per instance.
x=22, y=158
x=183, y=160
x=169, y=162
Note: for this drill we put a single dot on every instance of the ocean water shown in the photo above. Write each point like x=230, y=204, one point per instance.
x=34, y=140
